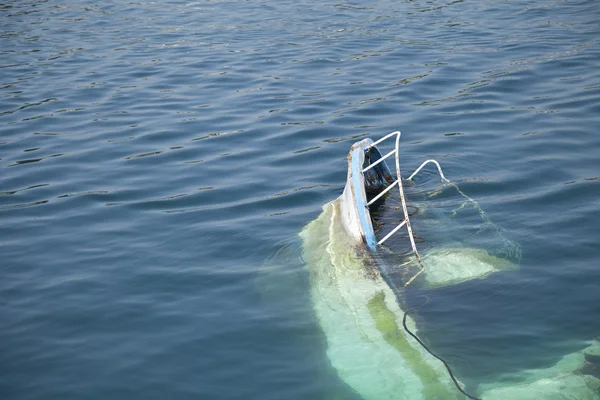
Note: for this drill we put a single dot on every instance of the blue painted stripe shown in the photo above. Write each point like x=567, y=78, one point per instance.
x=361, y=201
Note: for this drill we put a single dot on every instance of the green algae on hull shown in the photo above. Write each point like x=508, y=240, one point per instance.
x=385, y=321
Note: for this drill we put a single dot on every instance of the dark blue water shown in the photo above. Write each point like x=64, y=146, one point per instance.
x=155, y=154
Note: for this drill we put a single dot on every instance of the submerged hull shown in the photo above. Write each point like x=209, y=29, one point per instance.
x=362, y=320
x=361, y=314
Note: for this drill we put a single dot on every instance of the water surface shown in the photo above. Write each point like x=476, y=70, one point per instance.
x=155, y=154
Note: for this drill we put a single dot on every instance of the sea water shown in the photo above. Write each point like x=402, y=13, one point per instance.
x=155, y=154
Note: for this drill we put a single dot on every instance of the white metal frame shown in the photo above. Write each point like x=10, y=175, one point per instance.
x=398, y=182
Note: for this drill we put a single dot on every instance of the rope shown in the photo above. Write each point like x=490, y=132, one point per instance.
x=397, y=293
x=438, y=357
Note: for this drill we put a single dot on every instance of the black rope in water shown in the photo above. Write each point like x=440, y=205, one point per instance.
x=438, y=357
x=397, y=292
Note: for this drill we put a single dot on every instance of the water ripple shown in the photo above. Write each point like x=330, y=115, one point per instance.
x=154, y=154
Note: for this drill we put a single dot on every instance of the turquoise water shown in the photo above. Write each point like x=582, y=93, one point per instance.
x=156, y=155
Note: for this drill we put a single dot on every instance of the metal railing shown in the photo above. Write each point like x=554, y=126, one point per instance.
x=398, y=182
